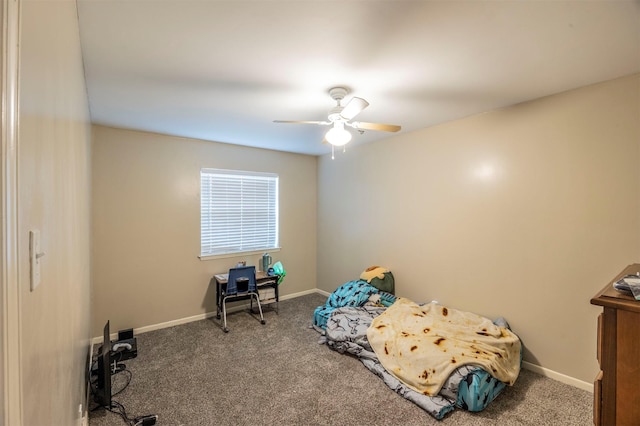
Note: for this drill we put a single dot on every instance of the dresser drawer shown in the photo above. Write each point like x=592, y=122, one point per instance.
x=597, y=400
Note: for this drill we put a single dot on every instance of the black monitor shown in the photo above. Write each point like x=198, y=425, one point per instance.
x=103, y=390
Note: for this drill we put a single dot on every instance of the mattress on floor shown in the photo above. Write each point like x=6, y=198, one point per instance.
x=468, y=387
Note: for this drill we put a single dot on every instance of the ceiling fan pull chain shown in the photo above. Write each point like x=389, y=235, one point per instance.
x=333, y=152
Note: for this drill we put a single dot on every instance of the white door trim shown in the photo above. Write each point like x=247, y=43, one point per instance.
x=10, y=330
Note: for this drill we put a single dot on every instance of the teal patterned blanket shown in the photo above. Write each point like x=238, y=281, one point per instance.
x=352, y=293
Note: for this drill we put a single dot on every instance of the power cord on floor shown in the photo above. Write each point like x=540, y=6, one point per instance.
x=117, y=407
x=126, y=385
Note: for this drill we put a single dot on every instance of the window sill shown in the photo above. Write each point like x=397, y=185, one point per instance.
x=239, y=254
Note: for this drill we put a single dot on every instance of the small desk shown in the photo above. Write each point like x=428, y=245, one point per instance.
x=262, y=280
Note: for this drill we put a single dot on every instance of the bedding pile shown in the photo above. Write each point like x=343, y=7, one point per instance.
x=423, y=345
x=463, y=383
x=352, y=293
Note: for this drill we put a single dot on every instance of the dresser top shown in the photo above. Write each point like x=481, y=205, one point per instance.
x=610, y=297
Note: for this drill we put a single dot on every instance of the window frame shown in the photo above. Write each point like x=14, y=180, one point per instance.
x=231, y=184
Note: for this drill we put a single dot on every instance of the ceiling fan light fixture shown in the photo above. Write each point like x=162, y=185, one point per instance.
x=338, y=135
x=340, y=116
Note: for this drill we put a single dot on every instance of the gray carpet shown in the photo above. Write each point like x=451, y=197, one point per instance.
x=195, y=374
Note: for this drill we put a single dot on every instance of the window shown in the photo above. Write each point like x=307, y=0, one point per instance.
x=238, y=211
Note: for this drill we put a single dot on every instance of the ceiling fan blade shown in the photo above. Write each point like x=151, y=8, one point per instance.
x=321, y=123
x=353, y=108
x=374, y=126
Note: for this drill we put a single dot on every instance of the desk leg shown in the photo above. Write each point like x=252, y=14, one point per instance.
x=217, y=299
x=277, y=298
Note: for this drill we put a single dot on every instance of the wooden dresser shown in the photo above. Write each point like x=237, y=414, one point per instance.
x=617, y=387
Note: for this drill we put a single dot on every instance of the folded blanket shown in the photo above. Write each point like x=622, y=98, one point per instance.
x=423, y=345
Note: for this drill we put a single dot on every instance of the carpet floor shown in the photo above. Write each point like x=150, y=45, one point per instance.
x=277, y=373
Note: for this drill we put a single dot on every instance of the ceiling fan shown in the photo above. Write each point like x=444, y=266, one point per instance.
x=340, y=116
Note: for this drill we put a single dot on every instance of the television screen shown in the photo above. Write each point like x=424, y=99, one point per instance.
x=103, y=394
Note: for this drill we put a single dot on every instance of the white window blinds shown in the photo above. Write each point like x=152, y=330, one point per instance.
x=238, y=211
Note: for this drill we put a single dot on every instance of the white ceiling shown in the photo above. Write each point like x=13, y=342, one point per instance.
x=224, y=70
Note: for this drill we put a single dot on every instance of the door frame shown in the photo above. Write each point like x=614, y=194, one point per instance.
x=10, y=329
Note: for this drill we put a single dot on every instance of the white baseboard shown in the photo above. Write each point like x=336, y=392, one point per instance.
x=529, y=366
x=558, y=376
x=301, y=293
x=180, y=321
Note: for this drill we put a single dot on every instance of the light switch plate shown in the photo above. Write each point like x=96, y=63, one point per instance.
x=34, y=258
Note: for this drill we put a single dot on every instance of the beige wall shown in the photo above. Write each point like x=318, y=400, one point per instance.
x=146, y=225
x=524, y=212
x=53, y=185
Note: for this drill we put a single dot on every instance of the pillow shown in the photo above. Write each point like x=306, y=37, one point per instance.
x=379, y=277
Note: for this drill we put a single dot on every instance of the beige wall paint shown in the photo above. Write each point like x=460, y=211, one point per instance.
x=524, y=212
x=53, y=186
x=146, y=224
